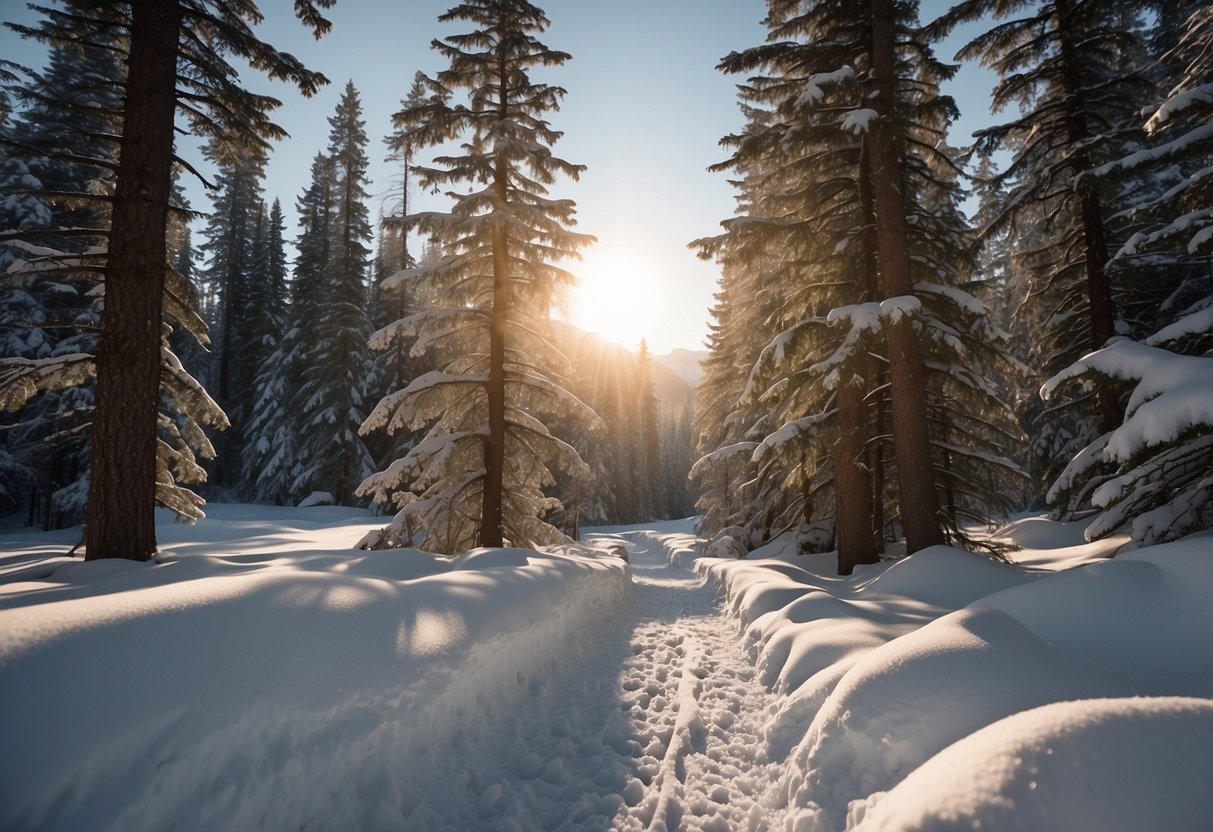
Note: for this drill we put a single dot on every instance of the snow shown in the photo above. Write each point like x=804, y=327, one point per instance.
x=896, y=669
x=1172, y=394
x=1048, y=768
x=959, y=297
x=262, y=674
x=867, y=316
x=814, y=93
x=859, y=120
x=317, y=498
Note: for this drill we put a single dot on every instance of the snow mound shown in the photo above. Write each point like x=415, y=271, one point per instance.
x=317, y=498
x=905, y=701
x=253, y=680
x=1117, y=765
x=883, y=670
x=485, y=558
x=968, y=577
x=1147, y=614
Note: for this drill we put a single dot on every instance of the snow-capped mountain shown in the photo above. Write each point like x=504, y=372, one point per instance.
x=686, y=364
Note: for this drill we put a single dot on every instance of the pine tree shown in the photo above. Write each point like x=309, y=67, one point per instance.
x=333, y=397
x=1074, y=70
x=650, y=448
x=268, y=431
x=395, y=364
x=58, y=166
x=830, y=224
x=134, y=463
x=889, y=137
x=231, y=240
x=278, y=426
x=676, y=450
x=1161, y=456
x=478, y=475
x=723, y=454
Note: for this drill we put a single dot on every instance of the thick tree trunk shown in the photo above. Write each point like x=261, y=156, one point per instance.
x=1101, y=310
x=852, y=493
x=915, y=474
x=122, y=489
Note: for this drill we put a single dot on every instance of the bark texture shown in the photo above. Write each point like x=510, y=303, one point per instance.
x=1101, y=310
x=852, y=490
x=491, y=516
x=915, y=473
x=122, y=488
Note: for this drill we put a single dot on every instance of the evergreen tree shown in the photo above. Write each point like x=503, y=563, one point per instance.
x=268, y=430
x=676, y=450
x=231, y=248
x=842, y=205
x=1074, y=71
x=176, y=60
x=57, y=168
x=723, y=453
x=333, y=397
x=650, y=448
x=277, y=426
x=1161, y=457
x=478, y=475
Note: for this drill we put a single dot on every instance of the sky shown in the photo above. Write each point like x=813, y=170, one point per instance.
x=645, y=111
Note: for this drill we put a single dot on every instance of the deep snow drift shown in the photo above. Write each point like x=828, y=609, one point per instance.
x=936, y=679
x=265, y=675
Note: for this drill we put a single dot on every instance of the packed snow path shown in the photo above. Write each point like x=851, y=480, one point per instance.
x=654, y=724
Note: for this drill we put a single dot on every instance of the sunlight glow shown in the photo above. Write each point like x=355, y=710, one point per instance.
x=620, y=297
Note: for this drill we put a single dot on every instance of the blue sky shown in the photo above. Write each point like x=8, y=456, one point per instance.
x=645, y=111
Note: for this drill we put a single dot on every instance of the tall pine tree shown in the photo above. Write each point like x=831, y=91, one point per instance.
x=332, y=401
x=478, y=475
x=176, y=60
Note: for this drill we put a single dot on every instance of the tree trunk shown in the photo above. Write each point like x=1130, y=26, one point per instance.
x=949, y=478
x=873, y=371
x=122, y=489
x=491, y=518
x=852, y=494
x=1101, y=310
x=876, y=462
x=915, y=474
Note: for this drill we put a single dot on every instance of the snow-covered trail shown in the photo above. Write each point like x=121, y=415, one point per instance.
x=655, y=725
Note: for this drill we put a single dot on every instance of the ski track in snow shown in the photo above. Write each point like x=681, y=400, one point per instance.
x=655, y=725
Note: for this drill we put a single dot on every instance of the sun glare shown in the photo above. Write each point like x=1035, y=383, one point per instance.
x=619, y=297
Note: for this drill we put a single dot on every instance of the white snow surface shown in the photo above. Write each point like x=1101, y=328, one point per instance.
x=1049, y=768
x=894, y=670
x=264, y=675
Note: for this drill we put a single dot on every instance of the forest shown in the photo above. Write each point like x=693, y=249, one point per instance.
x=946, y=378
x=272, y=387
x=882, y=366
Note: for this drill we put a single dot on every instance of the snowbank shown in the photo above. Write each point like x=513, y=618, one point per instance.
x=1053, y=768
x=893, y=677
x=255, y=679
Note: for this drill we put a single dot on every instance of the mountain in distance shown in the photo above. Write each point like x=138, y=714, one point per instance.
x=671, y=389
x=684, y=363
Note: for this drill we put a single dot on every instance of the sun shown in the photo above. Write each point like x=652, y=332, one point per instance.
x=619, y=297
